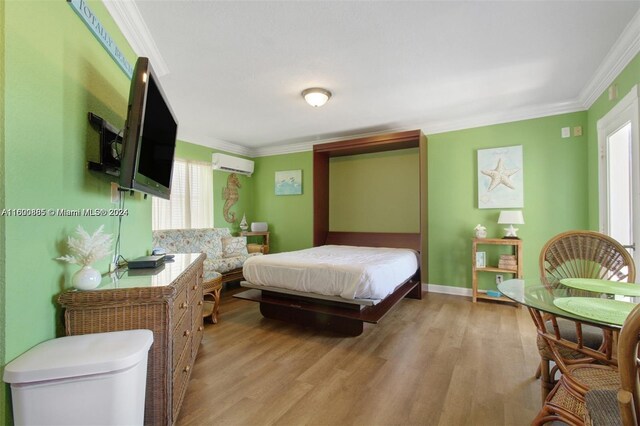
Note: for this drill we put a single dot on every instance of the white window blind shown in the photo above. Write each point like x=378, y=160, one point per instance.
x=191, y=204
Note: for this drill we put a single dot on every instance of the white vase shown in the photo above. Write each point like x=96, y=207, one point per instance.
x=86, y=278
x=481, y=233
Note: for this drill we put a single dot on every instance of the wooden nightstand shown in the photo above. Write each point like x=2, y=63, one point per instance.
x=257, y=248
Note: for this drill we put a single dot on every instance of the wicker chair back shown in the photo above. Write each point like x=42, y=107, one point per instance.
x=585, y=254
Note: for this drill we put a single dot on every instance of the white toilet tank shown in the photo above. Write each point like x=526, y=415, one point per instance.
x=91, y=379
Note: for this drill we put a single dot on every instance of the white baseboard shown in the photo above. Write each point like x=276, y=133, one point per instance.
x=445, y=289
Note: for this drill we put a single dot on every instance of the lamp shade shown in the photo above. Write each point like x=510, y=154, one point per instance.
x=316, y=96
x=509, y=217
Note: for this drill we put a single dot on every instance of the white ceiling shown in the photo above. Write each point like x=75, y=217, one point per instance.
x=234, y=70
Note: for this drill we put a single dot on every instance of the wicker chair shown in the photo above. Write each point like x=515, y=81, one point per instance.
x=579, y=254
x=580, y=376
x=629, y=367
x=620, y=406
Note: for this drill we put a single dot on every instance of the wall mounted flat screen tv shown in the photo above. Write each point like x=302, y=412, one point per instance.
x=149, y=139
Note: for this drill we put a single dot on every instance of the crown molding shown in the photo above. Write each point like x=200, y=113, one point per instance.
x=282, y=149
x=623, y=51
x=307, y=145
x=230, y=147
x=128, y=18
x=429, y=128
x=219, y=144
x=501, y=117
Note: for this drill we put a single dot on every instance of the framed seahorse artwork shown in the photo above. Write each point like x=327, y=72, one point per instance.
x=289, y=182
x=230, y=195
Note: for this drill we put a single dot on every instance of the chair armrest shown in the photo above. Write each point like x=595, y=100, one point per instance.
x=626, y=407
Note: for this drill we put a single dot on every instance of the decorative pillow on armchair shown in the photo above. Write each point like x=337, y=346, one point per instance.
x=234, y=246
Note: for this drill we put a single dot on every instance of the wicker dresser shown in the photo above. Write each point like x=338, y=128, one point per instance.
x=167, y=301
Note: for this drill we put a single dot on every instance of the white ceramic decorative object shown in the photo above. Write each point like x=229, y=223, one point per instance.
x=86, y=278
x=259, y=227
x=481, y=231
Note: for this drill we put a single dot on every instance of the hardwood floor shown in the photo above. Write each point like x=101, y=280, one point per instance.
x=437, y=361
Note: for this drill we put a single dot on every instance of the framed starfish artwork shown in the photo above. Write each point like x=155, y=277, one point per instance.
x=500, y=178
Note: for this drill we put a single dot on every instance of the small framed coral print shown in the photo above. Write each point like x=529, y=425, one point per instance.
x=289, y=182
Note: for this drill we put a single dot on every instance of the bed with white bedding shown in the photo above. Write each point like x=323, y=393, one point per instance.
x=352, y=273
x=336, y=286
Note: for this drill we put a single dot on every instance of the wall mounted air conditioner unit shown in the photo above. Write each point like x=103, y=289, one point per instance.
x=228, y=163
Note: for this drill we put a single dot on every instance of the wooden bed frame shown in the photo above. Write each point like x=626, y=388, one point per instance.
x=347, y=318
x=341, y=317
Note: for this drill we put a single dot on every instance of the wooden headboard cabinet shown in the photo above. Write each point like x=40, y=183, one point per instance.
x=378, y=143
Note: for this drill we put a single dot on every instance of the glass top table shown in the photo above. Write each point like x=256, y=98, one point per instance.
x=533, y=293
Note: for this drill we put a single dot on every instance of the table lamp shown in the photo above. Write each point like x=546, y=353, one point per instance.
x=511, y=217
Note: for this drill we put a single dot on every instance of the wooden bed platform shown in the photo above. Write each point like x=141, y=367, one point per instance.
x=341, y=317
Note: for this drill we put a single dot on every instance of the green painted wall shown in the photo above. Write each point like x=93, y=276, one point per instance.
x=555, y=191
x=4, y=403
x=55, y=71
x=244, y=205
x=629, y=77
x=290, y=217
x=375, y=192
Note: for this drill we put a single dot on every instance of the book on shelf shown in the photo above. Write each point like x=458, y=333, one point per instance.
x=508, y=261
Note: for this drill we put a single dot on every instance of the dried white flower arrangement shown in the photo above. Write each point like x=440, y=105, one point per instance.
x=87, y=249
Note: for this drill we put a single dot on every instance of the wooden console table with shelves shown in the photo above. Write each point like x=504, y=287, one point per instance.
x=257, y=248
x=166, y=300
x=516, y=249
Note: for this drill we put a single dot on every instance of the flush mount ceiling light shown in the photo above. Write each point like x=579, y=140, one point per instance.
x=316, y=96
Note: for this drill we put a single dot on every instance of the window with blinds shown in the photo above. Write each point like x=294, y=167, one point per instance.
x=191, y=203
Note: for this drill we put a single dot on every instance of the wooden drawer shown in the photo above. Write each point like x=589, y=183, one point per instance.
x=180, y=379
x=193, y=289
x=198, y=324
x=195, y=292
x=194, y=284
x=196, y=312
x=180, y=307
x=181, y=335
x=196, y=339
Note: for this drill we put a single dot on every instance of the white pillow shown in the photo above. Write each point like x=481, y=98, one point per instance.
x=234, y=246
